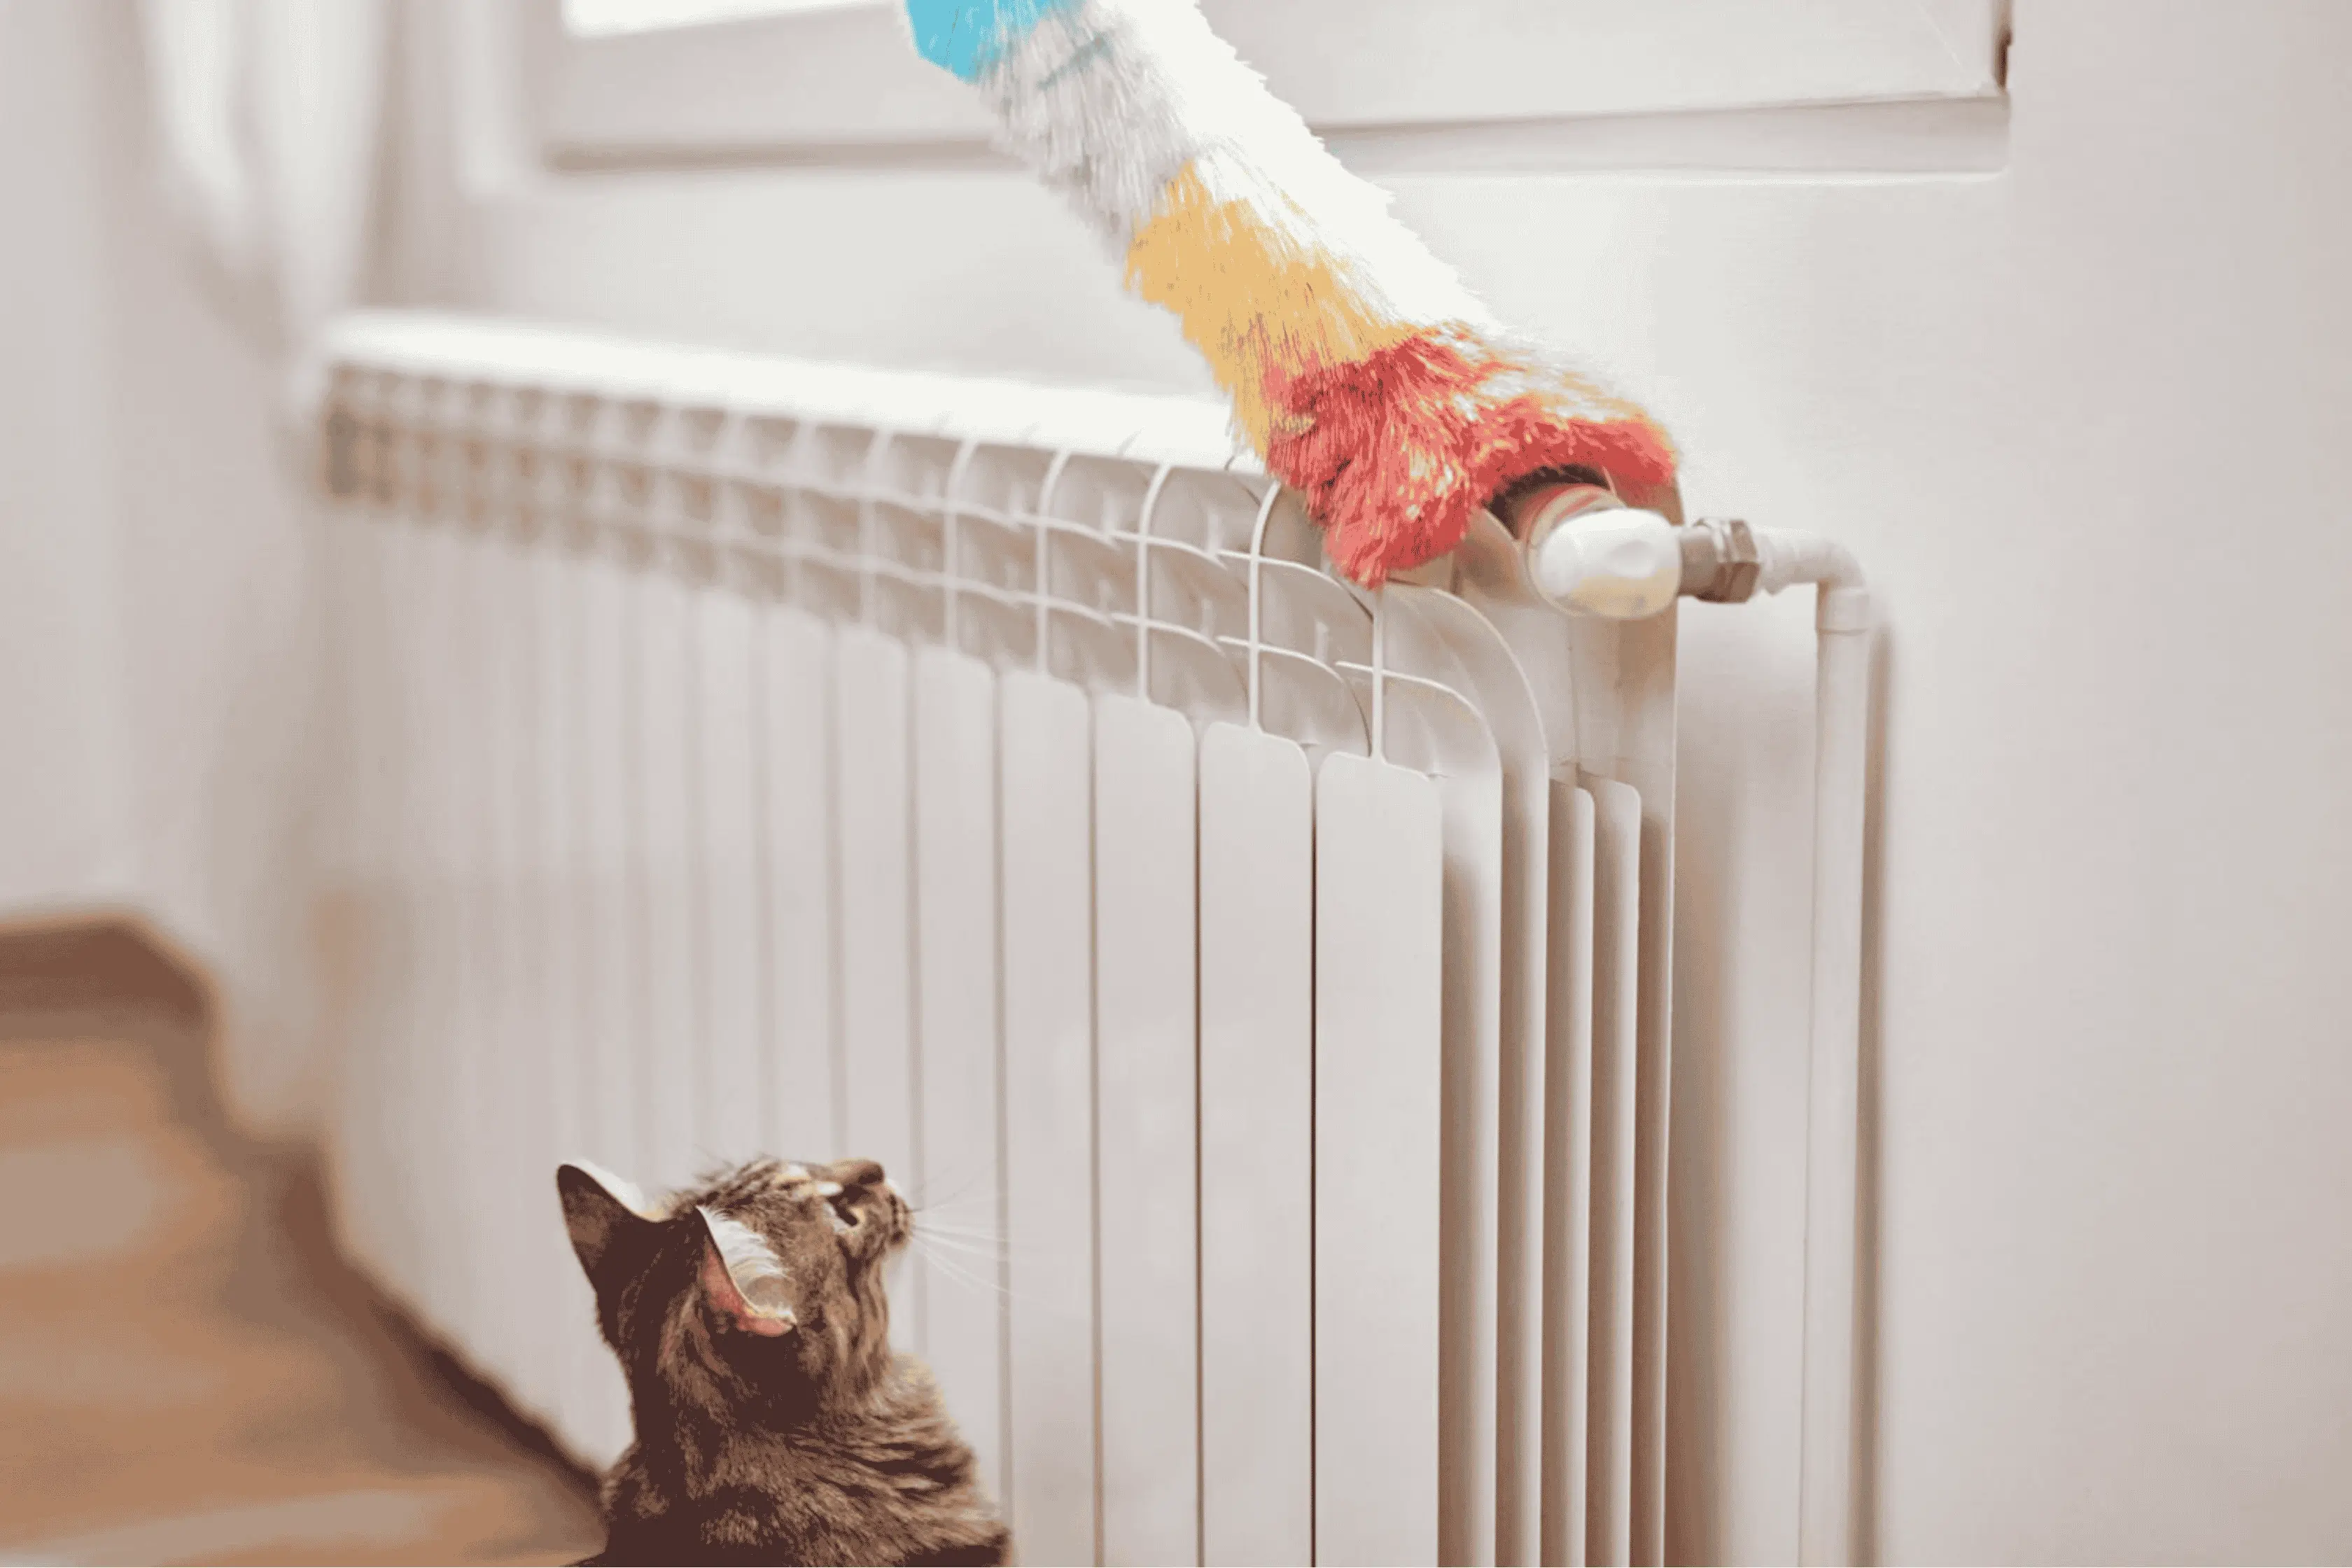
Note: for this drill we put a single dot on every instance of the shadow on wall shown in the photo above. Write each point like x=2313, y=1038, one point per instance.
x=1869, y=1132
x=188, y=1370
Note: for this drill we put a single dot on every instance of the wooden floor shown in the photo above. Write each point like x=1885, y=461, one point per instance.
x=187, y=1372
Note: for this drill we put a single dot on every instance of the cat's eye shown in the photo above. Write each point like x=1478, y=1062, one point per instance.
x=845, y=1208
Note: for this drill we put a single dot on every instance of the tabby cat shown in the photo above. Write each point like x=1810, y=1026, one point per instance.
x=774, y=1422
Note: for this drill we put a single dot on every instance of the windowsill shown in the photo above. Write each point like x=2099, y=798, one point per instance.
x=1963, y=136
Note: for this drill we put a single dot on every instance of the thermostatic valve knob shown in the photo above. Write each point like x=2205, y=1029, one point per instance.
x=1590, y=554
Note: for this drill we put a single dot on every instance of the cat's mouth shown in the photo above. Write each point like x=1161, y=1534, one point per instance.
x=884, y=1217
x=867, y=1208
x=897, y=1219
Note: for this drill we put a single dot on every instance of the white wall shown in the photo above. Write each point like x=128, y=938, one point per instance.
x=63, y=837
x=2084, y=421
x=221, y=641
x=156, y=648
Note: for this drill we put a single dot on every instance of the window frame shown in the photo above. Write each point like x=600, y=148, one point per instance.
x=841, y=85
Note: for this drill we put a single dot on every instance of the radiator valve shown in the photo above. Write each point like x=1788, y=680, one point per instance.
x=1590, y=554
x=1720, y=560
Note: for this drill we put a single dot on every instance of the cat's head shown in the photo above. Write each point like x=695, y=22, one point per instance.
x=764, y=1284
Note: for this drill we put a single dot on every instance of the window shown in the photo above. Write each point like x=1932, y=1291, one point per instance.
x=656, y=81
x=606, y=18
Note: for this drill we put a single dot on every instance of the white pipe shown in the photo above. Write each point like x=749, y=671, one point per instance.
x=1784, y=560
x=1826, y=1464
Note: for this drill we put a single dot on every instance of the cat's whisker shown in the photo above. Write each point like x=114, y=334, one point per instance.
x=967, y=1242
x=949, y=1269
x=948, y=1263
x=995, y=1246
x=974, y=1282
x=962, y=1275
x=932, y=1204
x=959, y=1233
x=965, y=1254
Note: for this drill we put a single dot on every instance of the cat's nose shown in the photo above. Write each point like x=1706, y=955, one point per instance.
x=858, y=1174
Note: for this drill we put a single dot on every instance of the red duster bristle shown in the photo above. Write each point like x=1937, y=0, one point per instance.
x=1396, y=451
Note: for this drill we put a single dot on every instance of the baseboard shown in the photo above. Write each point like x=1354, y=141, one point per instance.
x=98, y=962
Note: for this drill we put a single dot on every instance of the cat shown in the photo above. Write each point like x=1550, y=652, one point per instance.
x=773, y=1422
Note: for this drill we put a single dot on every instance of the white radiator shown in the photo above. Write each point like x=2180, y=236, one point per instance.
x=1260, y=988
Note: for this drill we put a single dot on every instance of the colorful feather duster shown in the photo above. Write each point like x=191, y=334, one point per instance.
x=1360, y=367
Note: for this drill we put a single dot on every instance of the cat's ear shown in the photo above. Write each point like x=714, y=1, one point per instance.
x=601, y=1212
x=750, y=1283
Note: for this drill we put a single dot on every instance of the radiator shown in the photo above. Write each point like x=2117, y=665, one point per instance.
x=1259, y=987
